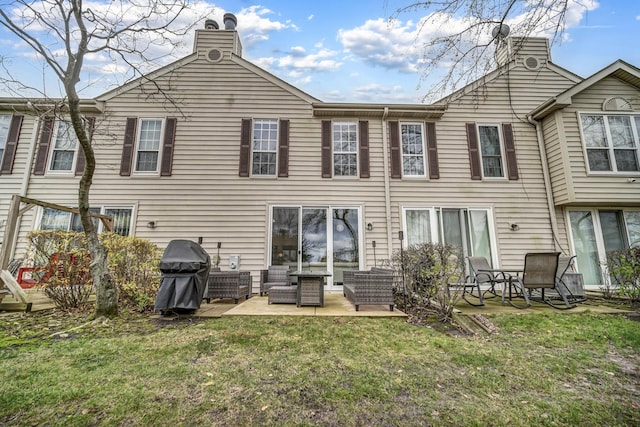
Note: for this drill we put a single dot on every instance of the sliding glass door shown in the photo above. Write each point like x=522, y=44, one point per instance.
x=595, y=233
x=470, y=229
x=317, y=239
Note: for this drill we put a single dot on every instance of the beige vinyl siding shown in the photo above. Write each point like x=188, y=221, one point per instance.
x=556, y=151
x=600, y=189
x=522, y=201
x=522, y=48
x=204, y=197
x=13, y=183
x=223, y=40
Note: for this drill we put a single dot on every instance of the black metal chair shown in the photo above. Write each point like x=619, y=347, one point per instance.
x=478, y=277
x=540, y=275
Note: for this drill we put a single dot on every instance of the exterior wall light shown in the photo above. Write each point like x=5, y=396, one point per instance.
x=369, y=226
x=152, y=224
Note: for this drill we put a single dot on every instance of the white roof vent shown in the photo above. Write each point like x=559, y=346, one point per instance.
x=616, y=103
x=214, y=55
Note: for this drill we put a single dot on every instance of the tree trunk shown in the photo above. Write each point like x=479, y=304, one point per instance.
x=105, y=287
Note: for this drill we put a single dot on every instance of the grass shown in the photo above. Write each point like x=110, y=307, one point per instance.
x=550, y=370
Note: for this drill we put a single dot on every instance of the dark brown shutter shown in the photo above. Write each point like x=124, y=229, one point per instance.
x=283, y=149
x=11, y=145
x=510, y=148
x=326, y=149
x=394, y=147
x=474, y=151
x=81, y=161
x=127, y=146
x=168, y=145
x=245, y=147
x=432, y=151
x=364, y=149
x=43, y=146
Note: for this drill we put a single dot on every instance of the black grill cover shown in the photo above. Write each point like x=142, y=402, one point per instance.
x=185, y=270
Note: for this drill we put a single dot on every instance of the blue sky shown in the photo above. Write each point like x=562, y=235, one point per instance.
x=349, y=51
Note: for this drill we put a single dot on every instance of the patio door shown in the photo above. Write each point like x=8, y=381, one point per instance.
x=596, y=232
x=317, y=239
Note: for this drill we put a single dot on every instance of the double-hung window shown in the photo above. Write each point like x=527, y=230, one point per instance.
x=490, y=151
x=345, y=149
x=148, y=145
x=64, y=147
x=5, y=122
x=611, y=142
x=264, y=147
x=412, y=143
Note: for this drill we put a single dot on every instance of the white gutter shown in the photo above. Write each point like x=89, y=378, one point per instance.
x=547, y=181
x=387, y=190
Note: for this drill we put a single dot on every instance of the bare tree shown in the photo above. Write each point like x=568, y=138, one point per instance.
x=460, y=37
x=63, y=33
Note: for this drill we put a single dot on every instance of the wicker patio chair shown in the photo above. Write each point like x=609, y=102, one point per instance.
x=275, y=275
x=228, y=285
x=368, y=288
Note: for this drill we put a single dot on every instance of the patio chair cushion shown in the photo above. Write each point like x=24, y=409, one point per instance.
x=275, y=275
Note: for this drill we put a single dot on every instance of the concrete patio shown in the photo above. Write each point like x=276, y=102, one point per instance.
x=337, y=305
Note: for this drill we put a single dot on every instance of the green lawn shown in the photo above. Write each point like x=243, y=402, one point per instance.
x=555, y=369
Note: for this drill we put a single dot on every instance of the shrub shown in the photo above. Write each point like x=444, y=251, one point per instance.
x=61, y=260
x=624, y=271
x=426, y=270
x=61, y=266
x=133, y=264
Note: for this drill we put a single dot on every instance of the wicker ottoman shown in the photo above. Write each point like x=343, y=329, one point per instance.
x=283, y=294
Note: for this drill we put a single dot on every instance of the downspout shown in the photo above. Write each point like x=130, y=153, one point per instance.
x=547, y=181
x=387, y=191
x=26, y=179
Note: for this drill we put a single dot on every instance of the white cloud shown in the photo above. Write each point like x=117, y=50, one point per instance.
x=373, y=93
x=382, y=43
x=298, y=51
x=400, y=45
x=254, y=25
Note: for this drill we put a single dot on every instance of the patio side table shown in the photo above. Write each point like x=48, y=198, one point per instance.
x=311, y=287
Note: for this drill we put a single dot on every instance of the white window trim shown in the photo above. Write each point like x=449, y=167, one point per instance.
x=502, y=152
x=610, y=149
x=40, y=216
x=424, y=151
x=436, y=226
x=329, y=209
x=433, y=222
x=3, y=141
x=597, y=229
x=156, y=172
x=275, y=151
x=357, y=152
x=52, y=149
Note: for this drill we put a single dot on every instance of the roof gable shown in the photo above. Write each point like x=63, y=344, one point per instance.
x=619, y=69
x=201, y=56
